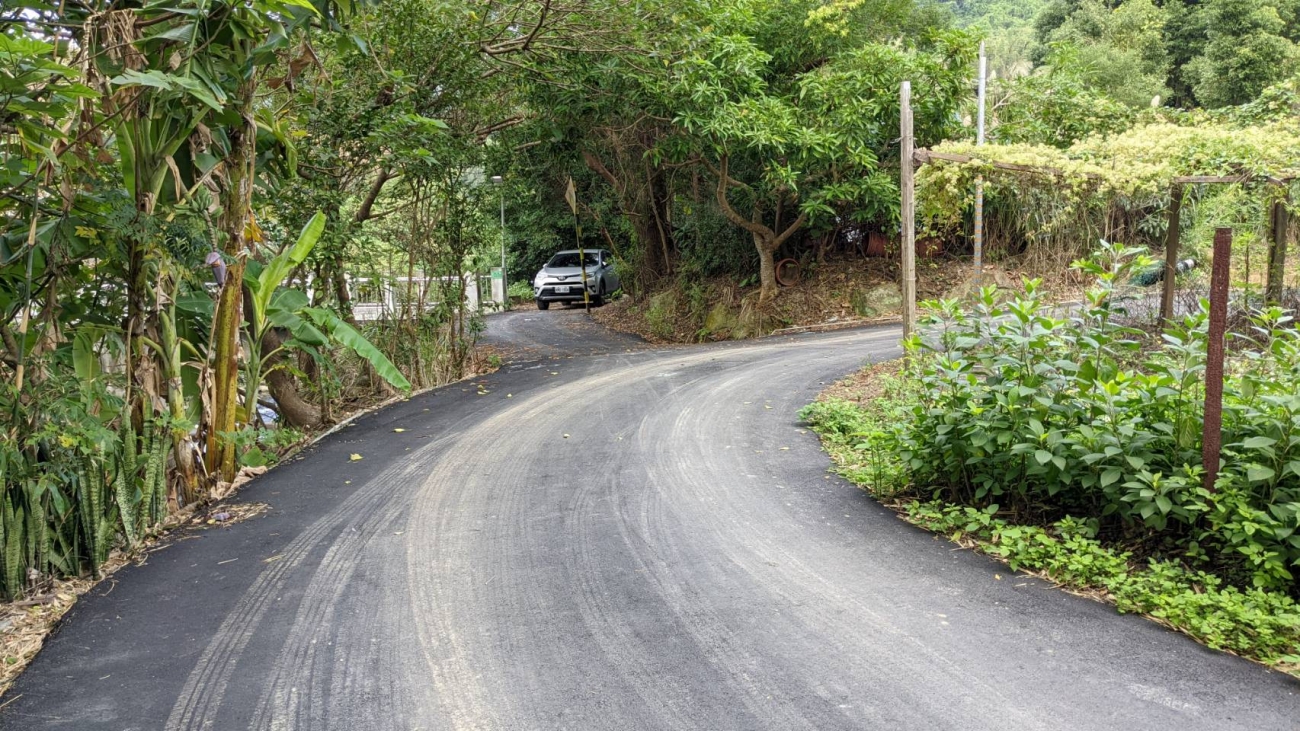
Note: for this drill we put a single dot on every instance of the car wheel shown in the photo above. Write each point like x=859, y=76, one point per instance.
x=599, y=298
x=543, y=305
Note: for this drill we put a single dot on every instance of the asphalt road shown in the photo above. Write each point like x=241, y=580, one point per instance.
x=630, y=539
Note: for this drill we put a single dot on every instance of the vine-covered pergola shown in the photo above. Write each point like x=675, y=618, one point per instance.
x=1148, y=167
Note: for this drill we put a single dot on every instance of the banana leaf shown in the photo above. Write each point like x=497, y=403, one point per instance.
x=350, y=338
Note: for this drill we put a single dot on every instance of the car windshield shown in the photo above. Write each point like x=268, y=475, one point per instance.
x=570, y=259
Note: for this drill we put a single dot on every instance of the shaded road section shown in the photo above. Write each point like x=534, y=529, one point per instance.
x=622, y=538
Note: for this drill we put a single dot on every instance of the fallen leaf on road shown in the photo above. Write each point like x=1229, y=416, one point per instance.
x=399, y=430
x=354, y=458
x=566, y=436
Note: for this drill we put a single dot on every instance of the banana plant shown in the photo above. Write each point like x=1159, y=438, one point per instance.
x=311, y=328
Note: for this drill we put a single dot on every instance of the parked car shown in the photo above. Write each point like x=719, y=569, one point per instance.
x=561, y=279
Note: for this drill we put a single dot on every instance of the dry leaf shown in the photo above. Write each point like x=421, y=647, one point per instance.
x=355, y=458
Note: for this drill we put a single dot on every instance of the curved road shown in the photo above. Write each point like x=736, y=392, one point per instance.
x=611, y=537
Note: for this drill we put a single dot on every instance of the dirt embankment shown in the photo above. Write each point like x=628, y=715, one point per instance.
x=837, y=293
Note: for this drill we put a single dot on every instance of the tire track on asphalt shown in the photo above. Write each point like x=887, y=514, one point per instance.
x=438, y=544
x=437, y=557
x=665, y=697
x=201, y=696
x=746, y=536
x=296, y=691
x=200, y=700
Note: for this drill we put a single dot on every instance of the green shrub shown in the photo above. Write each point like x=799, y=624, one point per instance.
x=76, y=480
x=1052, y=416
x=835, y=419
x=1091, y=445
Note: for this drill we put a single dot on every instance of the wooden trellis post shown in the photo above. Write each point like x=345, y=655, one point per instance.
x=908, y=188
x=1277, y=253
x=1172, y=235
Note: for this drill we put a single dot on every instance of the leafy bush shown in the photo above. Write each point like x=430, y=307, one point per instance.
x=1022, y=411
x=521, y=291
x=76, y=480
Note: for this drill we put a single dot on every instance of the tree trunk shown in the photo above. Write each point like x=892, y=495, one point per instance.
x=643, y=200
x=184, y=448
x=294, y=409
x=766, y=240
x=766, y=268
x=237, y=197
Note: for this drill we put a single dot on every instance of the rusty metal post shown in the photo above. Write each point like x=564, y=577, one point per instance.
x=1172, y=235
x=1212, y=431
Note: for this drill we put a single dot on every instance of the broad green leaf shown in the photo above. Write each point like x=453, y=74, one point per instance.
x=1259, y=442
x=279, y=267
x=348, y=336
x=1259, y=473
x=301, y=329
x=290, y=300
x=84, y=360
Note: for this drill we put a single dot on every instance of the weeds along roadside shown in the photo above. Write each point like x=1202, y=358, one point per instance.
x=1070, y=448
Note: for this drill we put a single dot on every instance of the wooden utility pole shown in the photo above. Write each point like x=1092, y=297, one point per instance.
x=1277, y=253
x=1212, y=430
x=1172, y=235
x=908, y=188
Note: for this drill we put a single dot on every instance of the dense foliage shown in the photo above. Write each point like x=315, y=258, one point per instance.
x=195, y=200
x=1068, y=444
x=772, y=122
x=224, y=223
x=1015, y=408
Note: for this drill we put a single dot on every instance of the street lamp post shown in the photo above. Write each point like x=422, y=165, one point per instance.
x=505, y=289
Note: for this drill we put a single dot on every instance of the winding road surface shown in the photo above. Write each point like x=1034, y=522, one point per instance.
x=611, y=537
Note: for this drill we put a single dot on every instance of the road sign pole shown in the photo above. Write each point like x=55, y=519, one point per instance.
x=505, y=282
